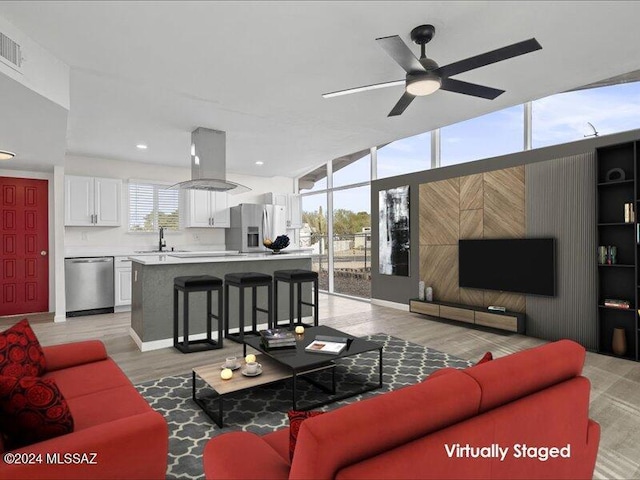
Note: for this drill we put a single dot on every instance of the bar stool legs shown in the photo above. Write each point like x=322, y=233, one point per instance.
x=293, y=278
x=243, y=281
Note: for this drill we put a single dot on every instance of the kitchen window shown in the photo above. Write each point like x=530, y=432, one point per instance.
x=151, y=206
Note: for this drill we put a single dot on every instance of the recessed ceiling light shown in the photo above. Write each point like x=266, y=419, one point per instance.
x=141, y=146
x=4, y=155
x=259, y=163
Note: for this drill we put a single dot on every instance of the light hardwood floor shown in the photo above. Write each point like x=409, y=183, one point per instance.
x=615, y=395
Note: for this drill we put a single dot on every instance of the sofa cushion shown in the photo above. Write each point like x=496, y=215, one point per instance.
x=89, y=378
x=20, y=352
x=487, y=357
x=296, y=417
x=71, y=354
x=506, y=379
x=32, y=409
x=106, y=406
x=279, y=441
x=345, y=436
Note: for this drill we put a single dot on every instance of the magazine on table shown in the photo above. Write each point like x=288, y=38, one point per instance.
x=326, y=346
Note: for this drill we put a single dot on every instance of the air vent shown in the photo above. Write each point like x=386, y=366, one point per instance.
x=10, y=53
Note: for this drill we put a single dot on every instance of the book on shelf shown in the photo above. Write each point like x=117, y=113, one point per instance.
x=325, y=346
x=615, y=303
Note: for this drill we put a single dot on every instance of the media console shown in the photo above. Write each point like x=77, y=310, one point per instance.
x=510, y=321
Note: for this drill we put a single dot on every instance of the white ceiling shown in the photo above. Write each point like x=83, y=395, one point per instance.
x=153, y=71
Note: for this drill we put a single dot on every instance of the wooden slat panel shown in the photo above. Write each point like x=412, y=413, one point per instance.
x=471, y=192
x=424, y=307
x=471, y=296
x=454, y=313
x=511, y=301
x=504, y=322
x=440, y=212
x=504, y=203
x=439, y=269
x=471, y=224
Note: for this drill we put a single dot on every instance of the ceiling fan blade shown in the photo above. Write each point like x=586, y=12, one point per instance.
x=364, y=89
x=402, y=104
x=488, y=58
x=399, y=51
x=473, y=89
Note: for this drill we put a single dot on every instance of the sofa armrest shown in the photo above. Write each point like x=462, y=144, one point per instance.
x=71, y=354
x=132, y=447
x=242, y=455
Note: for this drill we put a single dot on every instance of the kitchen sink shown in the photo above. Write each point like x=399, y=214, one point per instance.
x=158, y=251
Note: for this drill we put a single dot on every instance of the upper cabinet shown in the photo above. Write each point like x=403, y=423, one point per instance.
x=92, y=201
x=206, y=209
x=291, y=202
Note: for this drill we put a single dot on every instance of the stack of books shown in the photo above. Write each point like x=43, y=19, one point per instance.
x=278, y=338
x=612, y=302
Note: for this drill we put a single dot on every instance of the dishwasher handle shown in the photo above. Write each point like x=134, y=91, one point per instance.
x=90, y=260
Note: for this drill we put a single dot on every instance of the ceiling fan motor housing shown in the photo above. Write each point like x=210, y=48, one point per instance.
x=421, y=83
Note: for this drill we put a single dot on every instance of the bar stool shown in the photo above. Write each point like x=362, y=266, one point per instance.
x=187, y=285
x=242, y=281
x=296, y=277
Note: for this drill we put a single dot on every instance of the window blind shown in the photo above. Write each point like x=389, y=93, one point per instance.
x=152, y=206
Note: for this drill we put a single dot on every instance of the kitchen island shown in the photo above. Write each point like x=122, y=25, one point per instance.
x=152, y=291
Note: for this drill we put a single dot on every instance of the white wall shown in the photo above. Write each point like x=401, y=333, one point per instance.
x=189, y=237
x=42, y=72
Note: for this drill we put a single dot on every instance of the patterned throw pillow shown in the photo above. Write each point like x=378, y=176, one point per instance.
x=486, y=358
x=32, y=410
x=20, y=352
x=295, y=421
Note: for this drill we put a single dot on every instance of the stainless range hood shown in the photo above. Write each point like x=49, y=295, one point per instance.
x=209, y=163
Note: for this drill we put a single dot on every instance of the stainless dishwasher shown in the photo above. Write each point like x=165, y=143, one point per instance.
x=88, y=285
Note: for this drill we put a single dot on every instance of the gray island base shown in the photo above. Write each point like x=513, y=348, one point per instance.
x=152, y=293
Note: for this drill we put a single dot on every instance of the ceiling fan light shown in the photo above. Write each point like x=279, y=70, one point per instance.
x=5, y=155
x=423, y=85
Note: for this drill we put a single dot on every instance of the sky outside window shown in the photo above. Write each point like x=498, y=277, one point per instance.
x=563, y=117
x=490, y=135
x=408, y=155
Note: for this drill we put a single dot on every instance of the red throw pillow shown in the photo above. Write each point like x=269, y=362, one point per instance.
x=32, y=410
x=486, y=358
x=20, y=352
x=295, y=420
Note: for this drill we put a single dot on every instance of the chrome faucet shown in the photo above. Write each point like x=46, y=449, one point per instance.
x=161, y=241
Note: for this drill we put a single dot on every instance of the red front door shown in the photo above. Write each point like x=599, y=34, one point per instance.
x=24, y=247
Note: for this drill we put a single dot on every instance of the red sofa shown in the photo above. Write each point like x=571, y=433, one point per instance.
x=535, y=397
x=111, y=420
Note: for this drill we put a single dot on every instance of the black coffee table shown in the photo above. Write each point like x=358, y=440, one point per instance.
x=301, y=363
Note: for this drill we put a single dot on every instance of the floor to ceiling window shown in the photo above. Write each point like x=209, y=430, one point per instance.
x=313, y=234
x=565, y=117
x=407, y=155
x=497, y=133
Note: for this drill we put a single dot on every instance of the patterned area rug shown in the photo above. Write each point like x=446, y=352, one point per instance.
x=264, y=409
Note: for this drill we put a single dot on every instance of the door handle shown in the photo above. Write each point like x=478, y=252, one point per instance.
x=43, y=253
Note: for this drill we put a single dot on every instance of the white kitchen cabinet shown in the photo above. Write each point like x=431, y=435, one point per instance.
x=206, y=209
x=92, y=201
x=291, y=202
x=122, y=281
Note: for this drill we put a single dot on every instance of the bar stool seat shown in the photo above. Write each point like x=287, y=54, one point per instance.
x=186, y=285
x=297, y=277
x=243, y=280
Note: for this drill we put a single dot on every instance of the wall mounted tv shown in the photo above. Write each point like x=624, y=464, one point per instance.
x=522, y=265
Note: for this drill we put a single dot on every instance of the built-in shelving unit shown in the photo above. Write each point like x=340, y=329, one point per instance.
x=620, y=280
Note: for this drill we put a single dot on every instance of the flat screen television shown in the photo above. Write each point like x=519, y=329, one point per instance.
x=522, y=265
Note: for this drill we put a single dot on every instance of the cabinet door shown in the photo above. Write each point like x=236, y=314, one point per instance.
x=198, y=208
x=108, y=201
x=122, y=286
x=78, y=201
x=220, y=209
x=294, y=211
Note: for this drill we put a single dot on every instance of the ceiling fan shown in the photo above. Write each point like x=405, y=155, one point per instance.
x=424, y=76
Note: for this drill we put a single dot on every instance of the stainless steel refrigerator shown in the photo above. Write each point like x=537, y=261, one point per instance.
x=251, y=223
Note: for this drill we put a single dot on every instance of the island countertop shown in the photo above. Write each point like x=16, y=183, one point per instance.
x=195, y=257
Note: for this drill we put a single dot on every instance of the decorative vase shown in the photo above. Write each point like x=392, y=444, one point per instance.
x=602, y=255
x=421, y=290
x=429, y=294
x=613, y=255
x=619, y=342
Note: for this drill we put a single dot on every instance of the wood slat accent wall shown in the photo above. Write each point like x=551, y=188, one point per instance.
x=484, y=205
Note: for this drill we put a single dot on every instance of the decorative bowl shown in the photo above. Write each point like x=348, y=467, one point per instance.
x=281, y=242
